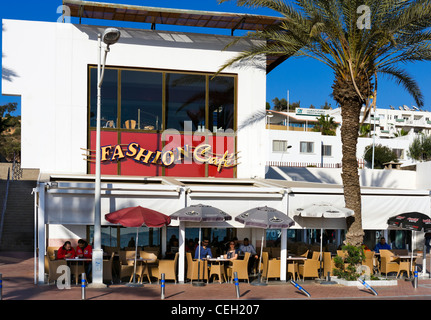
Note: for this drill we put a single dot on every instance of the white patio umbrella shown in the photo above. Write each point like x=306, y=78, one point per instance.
x=266, y=218
x=323, y=210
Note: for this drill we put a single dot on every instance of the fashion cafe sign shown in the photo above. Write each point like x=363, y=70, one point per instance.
x=180, y=155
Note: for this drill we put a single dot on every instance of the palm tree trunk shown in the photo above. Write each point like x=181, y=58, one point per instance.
x=346, y=96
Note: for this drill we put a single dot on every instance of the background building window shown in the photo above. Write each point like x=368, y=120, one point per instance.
x=279, y=145
x=399, y=153
x=327, y=150
x=306, y=147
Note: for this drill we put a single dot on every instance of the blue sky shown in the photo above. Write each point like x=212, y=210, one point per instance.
x=307, y=80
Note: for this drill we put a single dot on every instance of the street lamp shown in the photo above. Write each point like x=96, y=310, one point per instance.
x=109, y=37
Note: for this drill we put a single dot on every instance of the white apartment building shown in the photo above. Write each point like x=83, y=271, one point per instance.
x=293, y=143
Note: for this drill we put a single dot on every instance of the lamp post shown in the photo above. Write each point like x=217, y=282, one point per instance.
x=374, y=139
x=109, y=37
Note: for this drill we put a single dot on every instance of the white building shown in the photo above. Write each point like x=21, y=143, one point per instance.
x=155, y=81
x=395, y=129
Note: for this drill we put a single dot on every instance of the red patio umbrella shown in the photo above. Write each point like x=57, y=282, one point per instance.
x=138, y=217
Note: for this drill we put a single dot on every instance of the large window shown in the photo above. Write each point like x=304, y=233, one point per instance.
x=151, y=100
x=139, y=105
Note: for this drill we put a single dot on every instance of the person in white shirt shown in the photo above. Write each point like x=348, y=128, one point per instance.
x=247, y=247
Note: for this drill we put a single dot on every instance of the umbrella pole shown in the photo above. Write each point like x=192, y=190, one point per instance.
x=134, y=284
x=199, y=283
x=411, y=260
x=136, y=253
x=259, y=275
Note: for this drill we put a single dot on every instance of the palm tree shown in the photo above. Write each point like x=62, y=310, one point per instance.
x=357, y=47
x=326, y=125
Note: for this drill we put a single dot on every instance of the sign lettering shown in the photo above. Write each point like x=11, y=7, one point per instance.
x=200, y=154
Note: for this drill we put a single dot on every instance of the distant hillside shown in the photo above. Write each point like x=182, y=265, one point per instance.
x=10, y=134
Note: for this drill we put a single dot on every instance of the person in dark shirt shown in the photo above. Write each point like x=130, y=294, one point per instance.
x=382, y=245
x=204, y=250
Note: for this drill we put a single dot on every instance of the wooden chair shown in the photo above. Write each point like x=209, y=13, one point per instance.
x=145, y=267
x=342, y=254
x=388, y=262
x=51, y=265
x=292, y=268
x=275, y=252
x=107, y=268
x=316, y=255
x=369, y=260
x=310, y=268
x=192, y=268
x=273, y=269
x=218, y=270
x=168, y=267
x=305, y=254
x=240, y=267
x=77, y=269
x=126, y=265
x=130, y=124
x=264, y=266
x=328, y=264
x=155, y=250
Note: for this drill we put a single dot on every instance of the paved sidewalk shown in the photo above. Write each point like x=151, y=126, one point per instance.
x=17, y=270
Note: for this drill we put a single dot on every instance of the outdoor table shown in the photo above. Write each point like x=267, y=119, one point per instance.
x=405, y=262
x=71, y=260
x=144, y=261
x=218, y=269
x=295, y=260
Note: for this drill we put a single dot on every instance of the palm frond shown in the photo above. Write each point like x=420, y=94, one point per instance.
x=404, y=79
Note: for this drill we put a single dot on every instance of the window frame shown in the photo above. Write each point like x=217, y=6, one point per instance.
x=308, y=143
x=119, y=129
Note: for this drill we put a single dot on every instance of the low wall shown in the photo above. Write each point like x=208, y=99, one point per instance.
x=27, y=174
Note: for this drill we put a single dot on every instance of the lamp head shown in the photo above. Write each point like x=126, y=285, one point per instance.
x=111, y=36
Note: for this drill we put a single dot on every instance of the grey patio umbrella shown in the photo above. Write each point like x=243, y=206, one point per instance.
x=324, y=210
x=200, y=213
x=266, y=218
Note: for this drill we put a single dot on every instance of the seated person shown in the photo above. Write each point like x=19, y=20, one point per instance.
x=231, y=253
x=172, y=250
x=66, y=251
x=382, y=245
x=247, y=247
x=204, y=250
x=84, y=250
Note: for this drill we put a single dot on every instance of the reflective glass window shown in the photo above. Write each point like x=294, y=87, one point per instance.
x=141, y=100
x=221, y=103
x=185, y=101
x=109, y=103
